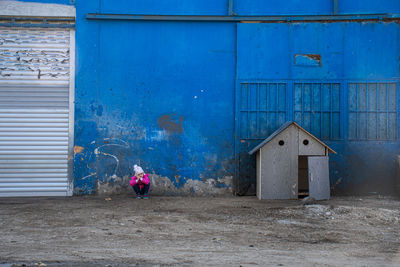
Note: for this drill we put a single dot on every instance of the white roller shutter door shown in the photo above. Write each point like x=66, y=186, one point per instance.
x=36, y=111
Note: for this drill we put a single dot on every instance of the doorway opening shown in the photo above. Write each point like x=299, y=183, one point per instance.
x=303, y=177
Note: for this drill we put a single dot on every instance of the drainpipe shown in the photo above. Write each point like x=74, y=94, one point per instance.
x=335, y=7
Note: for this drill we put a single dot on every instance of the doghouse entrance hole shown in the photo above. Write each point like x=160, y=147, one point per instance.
x=303, y=177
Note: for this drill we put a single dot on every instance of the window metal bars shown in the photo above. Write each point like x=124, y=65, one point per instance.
x=355, y=109
x=269, y=97
x=331, y=111
x=379, y=110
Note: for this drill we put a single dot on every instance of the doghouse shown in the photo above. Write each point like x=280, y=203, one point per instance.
x=291, y=164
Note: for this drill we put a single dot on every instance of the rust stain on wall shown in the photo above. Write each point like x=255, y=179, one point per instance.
x=78, y=149
x=171, y=123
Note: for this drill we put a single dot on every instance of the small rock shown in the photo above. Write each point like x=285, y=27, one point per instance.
x=328, y=213
x=139, y=231
x=252, y=246
x=108, y=199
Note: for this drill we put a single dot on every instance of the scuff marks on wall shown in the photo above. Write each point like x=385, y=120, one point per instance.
x=111, y=142
x=108, y=174
x=161, y=185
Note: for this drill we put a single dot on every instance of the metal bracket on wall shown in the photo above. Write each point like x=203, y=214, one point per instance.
x=37, y=22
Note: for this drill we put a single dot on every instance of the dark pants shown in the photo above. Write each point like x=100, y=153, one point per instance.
x=142, y=191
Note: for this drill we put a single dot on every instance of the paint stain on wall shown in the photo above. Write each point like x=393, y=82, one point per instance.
x=78, y=149
x=171, y=123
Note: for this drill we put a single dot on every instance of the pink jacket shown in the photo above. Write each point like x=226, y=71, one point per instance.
x=141, y=183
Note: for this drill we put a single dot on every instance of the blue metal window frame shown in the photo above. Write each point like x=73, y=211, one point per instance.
x=289, y=116
x=377, y=111
x=237, y=137
x=238, y=109
x=340, y=111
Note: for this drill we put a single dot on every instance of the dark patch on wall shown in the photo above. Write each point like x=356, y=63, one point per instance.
x=99, y=110
x=171, y=123
x=307, y=60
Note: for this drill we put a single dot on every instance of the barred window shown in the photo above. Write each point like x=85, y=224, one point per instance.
x=317, y=108
x=372, y=110
x=262, y=107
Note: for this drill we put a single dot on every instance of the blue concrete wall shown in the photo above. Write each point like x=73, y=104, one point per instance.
x=169, y=95
x=155, y=94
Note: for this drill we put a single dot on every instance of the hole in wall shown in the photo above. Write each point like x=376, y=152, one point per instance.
x=305, y=142
x=281, y=142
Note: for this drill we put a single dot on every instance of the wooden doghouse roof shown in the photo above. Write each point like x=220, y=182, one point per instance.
x=281, y=129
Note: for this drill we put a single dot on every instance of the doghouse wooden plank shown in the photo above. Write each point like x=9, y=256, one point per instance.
x=318, y=177
x=308, y=146
x=280, y=166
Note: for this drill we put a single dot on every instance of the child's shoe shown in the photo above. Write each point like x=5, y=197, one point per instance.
x=145, y=197
x=138, y=197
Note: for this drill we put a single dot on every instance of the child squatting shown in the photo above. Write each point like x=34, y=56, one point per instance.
x=140, y=183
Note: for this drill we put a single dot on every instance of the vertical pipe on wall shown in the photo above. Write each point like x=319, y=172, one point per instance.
x=335, y=7
x=230, y=7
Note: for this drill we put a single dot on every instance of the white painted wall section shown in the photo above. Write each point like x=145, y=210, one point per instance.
x=29, y=9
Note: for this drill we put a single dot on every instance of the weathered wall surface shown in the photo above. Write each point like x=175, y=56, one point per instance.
x=154, y=94
x=168, y=95
x=345, y=93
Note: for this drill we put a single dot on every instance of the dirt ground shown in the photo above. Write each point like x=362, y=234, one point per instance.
x=187, y=231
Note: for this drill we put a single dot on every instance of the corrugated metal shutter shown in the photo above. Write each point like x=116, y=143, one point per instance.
x=35, y=111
